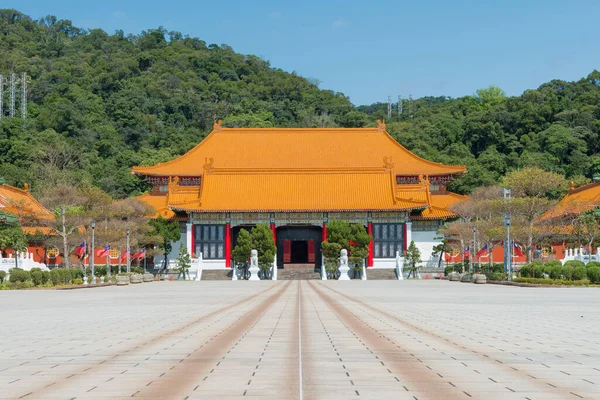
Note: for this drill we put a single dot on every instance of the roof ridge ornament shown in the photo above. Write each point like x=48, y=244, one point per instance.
x=381, y=125
x=208, y=164
x=387, y=163
x=217, y=124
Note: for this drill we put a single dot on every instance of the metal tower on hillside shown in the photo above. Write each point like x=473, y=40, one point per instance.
x=11, y=100
x=1, y=96
x=399, y=105
x=24, y=96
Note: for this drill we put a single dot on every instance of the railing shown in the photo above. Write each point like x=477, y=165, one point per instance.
x=578, y=255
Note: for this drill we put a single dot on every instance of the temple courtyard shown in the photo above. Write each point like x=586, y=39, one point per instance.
x=301, y=340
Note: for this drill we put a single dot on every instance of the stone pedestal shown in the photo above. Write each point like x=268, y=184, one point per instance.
x=254, y=266
x=344, y=268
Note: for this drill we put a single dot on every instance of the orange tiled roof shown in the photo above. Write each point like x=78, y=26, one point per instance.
x=14, y=201
x=439, y=207
x=292, y=149
x=584, y=198
x=315, y=191
x=163, y=202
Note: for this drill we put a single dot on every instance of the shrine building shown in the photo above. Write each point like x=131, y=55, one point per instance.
x=296, y=180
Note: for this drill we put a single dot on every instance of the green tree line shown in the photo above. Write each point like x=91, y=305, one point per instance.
x=100, y=103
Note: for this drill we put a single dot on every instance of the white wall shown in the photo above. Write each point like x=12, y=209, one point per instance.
x=425, y=241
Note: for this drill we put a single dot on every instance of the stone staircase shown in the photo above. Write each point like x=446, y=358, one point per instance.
x=381, y=275
x=295, y=274
x=217, y=274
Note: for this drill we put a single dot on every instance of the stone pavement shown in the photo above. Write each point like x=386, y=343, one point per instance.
x=301, y=340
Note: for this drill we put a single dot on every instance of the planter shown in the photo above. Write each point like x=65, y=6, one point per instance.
x=148, y=277
x=136, y=278
x=122, y=280
x=480, y=279
x=454, y=277
x=466, y=278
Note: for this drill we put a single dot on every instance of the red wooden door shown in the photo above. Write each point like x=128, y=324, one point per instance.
x=311, y=251
x=287, y=251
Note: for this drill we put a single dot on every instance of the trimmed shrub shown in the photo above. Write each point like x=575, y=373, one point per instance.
x=593, y=264
x=553, y=263
x=2, y=276
x=36, y=277
x=567, y=272
x=18, y=275
x=448, y=270
x=542, y=281
x=100, y=270
x=525, y=271
x=579, y=273
x=593, y=274
x=498, y=267
x=24, y=285
x=140, y=270
x=575, y=263
x=496, y=276
x=556, y=272
x=55, y=277
x=78, y=281
x=45, y=277
x=77, y=273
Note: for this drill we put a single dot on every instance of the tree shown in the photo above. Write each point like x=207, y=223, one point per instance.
x=169, y=232
x=587, y=228
x=241, y=252
x=534, y=191
x=262, y=241
x=412, y=256
x=12, y=238
x=65, y=202
x=184, y=262
x=345, y=235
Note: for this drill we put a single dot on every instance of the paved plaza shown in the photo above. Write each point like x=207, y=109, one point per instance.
x=301, y=340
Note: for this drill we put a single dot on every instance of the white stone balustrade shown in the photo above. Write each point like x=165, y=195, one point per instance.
x=399, y=266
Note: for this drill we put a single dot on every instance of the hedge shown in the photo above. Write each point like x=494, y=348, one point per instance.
x=593, y=274
x=542, y=281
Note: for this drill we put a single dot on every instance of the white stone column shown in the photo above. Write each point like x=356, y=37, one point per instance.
x=408, y=233
x=399, y=266
x=188, y=238
x=274, y=277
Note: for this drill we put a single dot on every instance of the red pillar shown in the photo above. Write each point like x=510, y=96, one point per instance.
x=274, y=231
x=324, y=232
x=370, y=232
x=227, y=246
x=404, y=236
x=193, y=249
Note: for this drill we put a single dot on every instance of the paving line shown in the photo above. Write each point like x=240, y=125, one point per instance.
x=300, y=340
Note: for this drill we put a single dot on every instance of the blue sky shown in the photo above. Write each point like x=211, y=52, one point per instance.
x=371, y=50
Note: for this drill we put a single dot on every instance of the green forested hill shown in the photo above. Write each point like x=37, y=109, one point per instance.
x=100, y=103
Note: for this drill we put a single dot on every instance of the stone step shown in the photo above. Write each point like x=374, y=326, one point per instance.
x=381, y=274
x=216, y=274
x=297, y=274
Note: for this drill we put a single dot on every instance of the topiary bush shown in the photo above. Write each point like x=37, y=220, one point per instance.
x=593, y=274
x=36, y=277
x=448, y=270
x=18, y=275
x=496, y=276
x=100, y=270
x=45, y=277
x=575, y=263
x=78, y=281
x=498, y=267
x=556, y=271
x=526, y=271
x=579, y=273
x=567, y=272
x=2, y=276
x=593, y=264
x=553, y=263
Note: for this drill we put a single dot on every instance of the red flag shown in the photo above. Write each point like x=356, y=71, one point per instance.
x=467, y=253
x=517, y=250
x=80, y=251
x=124, y=255
x=104, y=252
x=139, y=254
x=482, y=252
